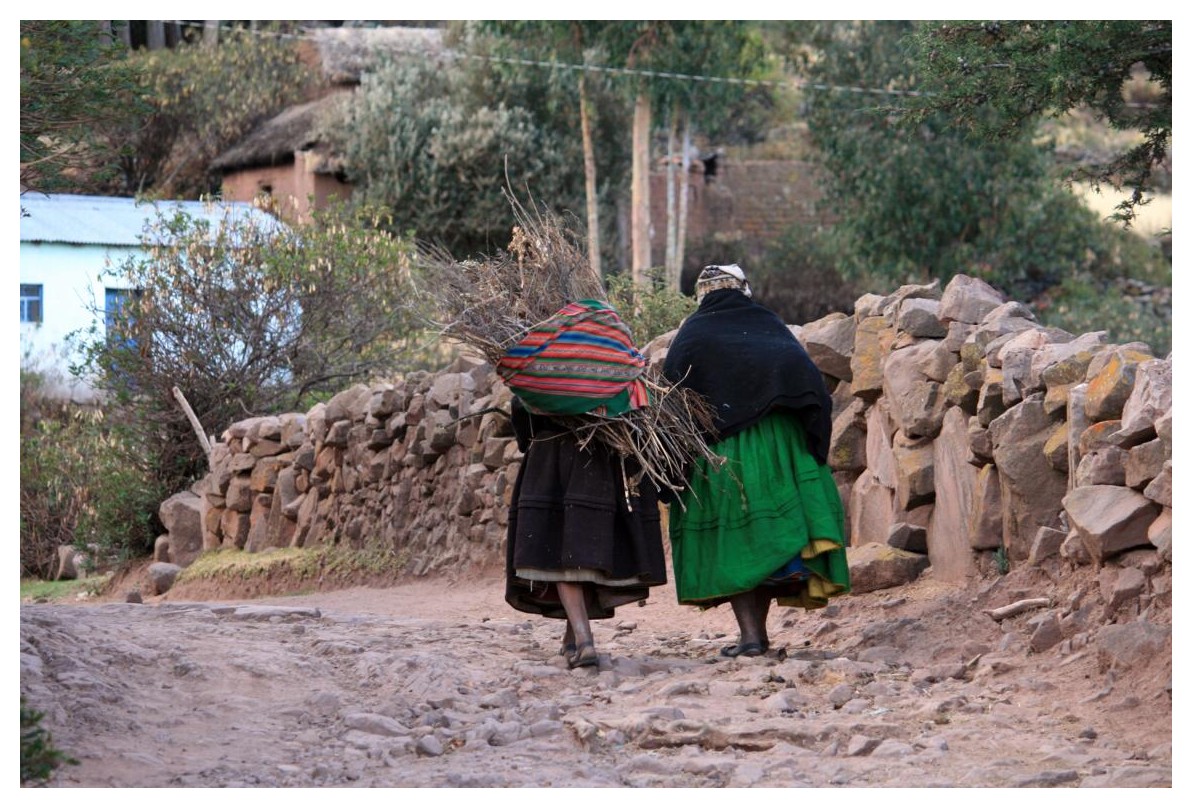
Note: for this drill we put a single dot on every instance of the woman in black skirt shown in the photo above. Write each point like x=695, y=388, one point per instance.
x=584, y=536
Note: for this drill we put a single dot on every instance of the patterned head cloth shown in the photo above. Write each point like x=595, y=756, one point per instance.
x=714, y=277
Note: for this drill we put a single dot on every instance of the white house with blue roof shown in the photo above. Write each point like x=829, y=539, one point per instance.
x=68, y=245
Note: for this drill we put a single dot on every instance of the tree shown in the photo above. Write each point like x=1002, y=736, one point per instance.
x=928, y=200
x=75, y=84
x=427, y=142
x=570, y=41
x=1021, y=70
x=723, y=50
x=642, y=49
x=97, y=118
x=249, y=318
x=202, y=97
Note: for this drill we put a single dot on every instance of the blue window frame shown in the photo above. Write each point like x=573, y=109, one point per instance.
x=31, y=303
x=119, y=313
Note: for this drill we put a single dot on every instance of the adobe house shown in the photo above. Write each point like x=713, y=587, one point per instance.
x=283, y=165
x=742, y=203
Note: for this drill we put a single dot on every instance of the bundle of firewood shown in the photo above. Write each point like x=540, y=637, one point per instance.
x=492, y=304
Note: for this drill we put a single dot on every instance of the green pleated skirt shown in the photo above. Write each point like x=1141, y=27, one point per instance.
x=770, y=509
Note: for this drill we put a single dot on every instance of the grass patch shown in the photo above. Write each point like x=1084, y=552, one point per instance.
x=297, y=563
x=34, y=590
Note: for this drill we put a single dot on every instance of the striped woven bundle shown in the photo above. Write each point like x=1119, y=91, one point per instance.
x=581, y=360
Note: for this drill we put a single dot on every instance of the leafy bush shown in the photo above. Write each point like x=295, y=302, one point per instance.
x=799, y=281
x=420, y=139
x=203, y=99
x=247, y=318
x=1083, y=304
x=649, y=311
x=83, y=482
x=933, y=200
x=39, y=756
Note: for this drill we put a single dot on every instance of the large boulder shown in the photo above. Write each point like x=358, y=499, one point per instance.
x=871, y=510
x=1111, y=386
x=948, y=542
x=1031, y=488
x=872, y=342
x=877, y=565
x=829, y=343
x=968, y=300
x=1149, y=401
x=1110, y=519
x=182, y=516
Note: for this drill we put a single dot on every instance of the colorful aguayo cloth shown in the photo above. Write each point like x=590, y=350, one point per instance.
x=581, y=360
x=771, y=517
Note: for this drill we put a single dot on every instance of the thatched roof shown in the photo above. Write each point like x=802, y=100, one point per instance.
x=346, y=53
x=275, y=141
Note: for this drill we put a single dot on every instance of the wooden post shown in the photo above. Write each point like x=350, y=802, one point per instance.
x=194, y=422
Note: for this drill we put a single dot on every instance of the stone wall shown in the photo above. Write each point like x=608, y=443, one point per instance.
x=963, y=431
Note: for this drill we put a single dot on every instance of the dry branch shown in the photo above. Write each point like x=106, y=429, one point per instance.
x=1018, y=607
x=194, y=421
x=492, y=304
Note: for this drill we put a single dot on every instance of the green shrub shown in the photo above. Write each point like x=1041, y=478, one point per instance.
x=246, y=318
x=799, y=281
x=424, y=142
x=39, y=756
x=1085, y=304
x=649, y=311
x=84, y=481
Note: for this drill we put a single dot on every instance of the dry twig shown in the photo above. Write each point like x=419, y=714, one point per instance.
x=493, y=303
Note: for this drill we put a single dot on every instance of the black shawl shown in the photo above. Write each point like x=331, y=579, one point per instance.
x=746, y=362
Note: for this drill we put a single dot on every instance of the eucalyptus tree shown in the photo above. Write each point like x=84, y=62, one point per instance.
x=687, y=69
x=569, y=44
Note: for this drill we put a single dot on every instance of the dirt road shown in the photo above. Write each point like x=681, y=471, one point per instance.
x=437, y=684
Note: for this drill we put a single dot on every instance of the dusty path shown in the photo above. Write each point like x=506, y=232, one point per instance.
x=435, y=684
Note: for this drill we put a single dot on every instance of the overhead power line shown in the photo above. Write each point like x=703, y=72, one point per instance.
x=797, y=83
x=597, y=69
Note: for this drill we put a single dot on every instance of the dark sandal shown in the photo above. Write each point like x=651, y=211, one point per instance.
x=582, y=658
x=748, y=649
x=567, y=649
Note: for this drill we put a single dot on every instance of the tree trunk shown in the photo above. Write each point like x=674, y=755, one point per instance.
x=672, y=220
x=684, y=191
x=585, y=120
x=210, y=33
x=641, y=188
x=155, y=34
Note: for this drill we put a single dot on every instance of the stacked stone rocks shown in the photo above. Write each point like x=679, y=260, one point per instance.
x=396, y=466
x=966, y=436
x=966, y=430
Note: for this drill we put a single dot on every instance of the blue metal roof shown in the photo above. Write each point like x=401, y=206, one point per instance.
x=113, y=221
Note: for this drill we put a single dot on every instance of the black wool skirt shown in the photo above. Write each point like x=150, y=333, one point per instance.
x=574, y=519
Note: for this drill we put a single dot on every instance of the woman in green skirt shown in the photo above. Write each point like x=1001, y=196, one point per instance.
x=768, y=523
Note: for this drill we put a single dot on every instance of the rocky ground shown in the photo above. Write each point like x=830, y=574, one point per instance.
x=439, y=683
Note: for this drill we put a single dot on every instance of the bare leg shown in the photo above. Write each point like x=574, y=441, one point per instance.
x=763, y=613
x=571, y=595
x=568, y=647
x=750, y=609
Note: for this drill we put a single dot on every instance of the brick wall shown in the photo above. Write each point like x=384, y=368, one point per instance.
x=754, y=200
